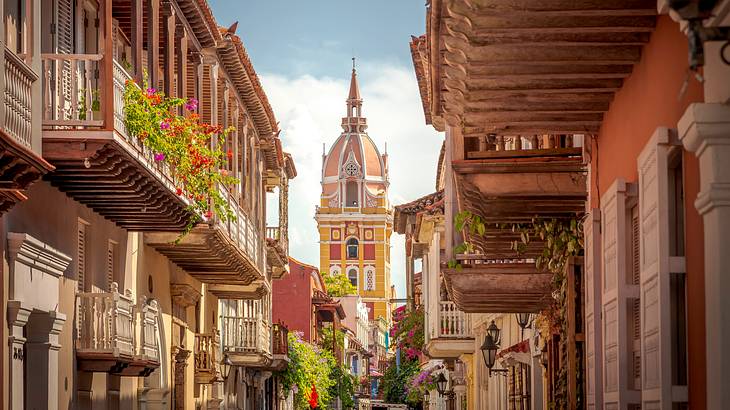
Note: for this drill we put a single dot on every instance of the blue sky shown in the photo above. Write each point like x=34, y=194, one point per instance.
x=302, y=52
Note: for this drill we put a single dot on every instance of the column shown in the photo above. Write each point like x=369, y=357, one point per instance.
x=153, y=42
x=169, y=23
x=705, y=130
x=42, y=359
x=17, y=318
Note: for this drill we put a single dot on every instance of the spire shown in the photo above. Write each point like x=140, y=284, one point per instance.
x=354, y=88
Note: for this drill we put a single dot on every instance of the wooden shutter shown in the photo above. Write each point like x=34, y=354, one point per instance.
x=615, y=297
x=654, y=275
x=81, y=255
x=593, y=291
x=111, y=258
x=635, y=303
x=63, y=44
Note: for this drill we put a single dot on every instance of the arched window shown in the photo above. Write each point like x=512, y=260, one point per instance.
x=351, y=199
x=352, y=275
x=352, y=248
x=369, y=278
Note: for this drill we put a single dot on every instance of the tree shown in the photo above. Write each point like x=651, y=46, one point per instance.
x=339, y=285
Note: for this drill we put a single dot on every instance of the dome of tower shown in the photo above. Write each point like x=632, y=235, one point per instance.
x=354, y=158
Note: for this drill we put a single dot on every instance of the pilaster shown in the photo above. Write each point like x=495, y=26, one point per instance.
x=17, y=318
x=705, y=130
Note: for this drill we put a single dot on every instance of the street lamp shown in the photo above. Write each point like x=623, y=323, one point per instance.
x=441, y=384
x=494, y=331
x=524, y=320
x=489, y=352
x=226, y=366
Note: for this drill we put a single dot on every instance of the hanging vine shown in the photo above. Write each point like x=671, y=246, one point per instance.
x=561, y=239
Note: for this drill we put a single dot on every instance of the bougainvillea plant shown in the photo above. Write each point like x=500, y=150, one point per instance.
x=408, y=333
x=190, y=147
x=308, y=366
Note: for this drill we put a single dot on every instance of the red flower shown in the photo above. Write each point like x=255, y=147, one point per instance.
x=230, y=154
x=313, y=397
x=178, y=191
x=209, y=214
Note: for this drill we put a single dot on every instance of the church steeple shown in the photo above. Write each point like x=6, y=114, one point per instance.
x=354, y=122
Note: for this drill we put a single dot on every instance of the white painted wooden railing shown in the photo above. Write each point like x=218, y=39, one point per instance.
x=106, y=322
x=17, y=96
x=70, y=90
x=110, y=322
x=241, y=230
x=453, y=322
x=148, y=319
x=246, y=334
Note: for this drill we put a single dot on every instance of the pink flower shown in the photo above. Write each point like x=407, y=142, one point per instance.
x=151, y=91
x=164, y=125
x=159, y=156
x=410, y=333
x=191, y=105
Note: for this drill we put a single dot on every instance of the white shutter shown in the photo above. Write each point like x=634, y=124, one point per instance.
x=594, y=357
x=654, y=265
x=63, y=44
x=615, y=298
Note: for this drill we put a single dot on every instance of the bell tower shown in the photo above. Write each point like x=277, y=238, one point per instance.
x=354, y=216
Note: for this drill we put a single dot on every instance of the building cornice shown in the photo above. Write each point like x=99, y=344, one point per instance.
x=31, y=252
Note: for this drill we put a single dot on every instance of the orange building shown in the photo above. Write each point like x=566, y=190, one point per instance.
x=583, y=110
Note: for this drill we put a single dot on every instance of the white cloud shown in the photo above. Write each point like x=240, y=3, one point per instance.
x=310, y=110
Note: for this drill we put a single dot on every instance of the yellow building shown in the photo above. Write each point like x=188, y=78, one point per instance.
x=354, y=217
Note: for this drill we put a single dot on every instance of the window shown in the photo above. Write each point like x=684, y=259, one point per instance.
x=351, y=199
x=111, y=263
x=352, y=248
x=352, y=275
x=369, y=278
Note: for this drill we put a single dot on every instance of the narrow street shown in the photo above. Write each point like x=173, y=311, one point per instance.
x=379, y=205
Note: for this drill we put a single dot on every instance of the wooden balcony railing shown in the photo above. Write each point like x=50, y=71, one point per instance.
x=493, y=147
x=246, y=335
x=19, y=79
x=111, y=328
x=241, y=230
x=206, y=345
x=453, y=323
x=272, y=232
x=106, y=323
x=280, y=340
x=71, y=92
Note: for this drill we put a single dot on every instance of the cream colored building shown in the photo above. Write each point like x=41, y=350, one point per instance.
x=107, y=306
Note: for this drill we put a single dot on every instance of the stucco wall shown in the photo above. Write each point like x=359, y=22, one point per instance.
x=292, y=299
x=652, y=97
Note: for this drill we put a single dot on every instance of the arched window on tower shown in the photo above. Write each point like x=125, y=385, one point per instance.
x=352, y=276
x=351, y=199
x=352, y=248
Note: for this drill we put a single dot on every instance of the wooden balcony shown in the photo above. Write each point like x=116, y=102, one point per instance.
x=506, y=181
x=246, y=340
x=276, y=252
x=497, y=286
x=453, y=334
x=205, y=357
x=98, y=163
x=280, y=347
x=20, y=166
x=218, y=252
x=116, y=336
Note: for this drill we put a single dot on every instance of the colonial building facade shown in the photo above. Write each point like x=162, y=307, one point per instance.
x=108, y=301
x=354, y=217
x=579, y=111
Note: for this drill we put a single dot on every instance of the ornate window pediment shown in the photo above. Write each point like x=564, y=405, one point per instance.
x=351, y=169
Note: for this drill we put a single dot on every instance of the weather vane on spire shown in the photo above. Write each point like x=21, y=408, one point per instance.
x=353, y=63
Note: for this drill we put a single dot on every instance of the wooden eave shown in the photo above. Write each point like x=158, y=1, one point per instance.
x=507, y=191
x=499, y=287
x=532, y=67
x=19, y=169
x=208, y=254
x=116, y=364
x=252, y=359
x=119, y=183
x=276, y=254
x=255, y=290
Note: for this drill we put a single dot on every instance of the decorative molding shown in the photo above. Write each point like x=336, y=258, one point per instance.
x=31, y=252
x=184, y=294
